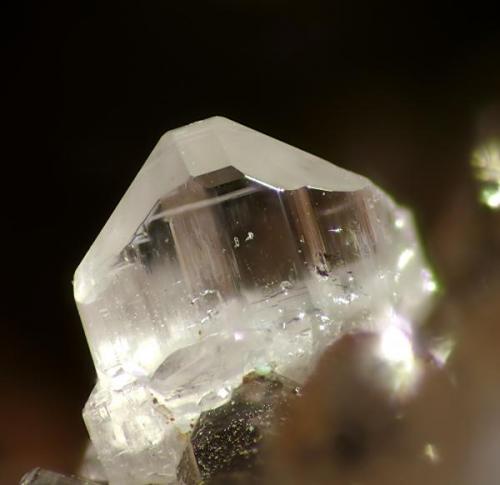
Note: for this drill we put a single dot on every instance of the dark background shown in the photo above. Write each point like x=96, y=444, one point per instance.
x=394, y=90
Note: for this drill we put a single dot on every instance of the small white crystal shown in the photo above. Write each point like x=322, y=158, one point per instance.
x=135, y=436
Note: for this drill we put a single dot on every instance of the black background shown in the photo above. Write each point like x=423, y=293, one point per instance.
x=394, y=90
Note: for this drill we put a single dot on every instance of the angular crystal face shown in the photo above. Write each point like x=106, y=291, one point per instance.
x=134, y=434
x=231, y=253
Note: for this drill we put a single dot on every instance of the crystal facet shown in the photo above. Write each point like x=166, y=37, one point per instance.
x=230, y=253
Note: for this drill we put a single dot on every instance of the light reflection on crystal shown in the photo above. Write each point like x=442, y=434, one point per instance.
x=491, y=197
x=486, y=164
x=431, y=453
x=396, y=348
x=397, y=351
x=486, y=161
x=405, y=257
x=399, y=223
x=442, y=348
x=429, y=283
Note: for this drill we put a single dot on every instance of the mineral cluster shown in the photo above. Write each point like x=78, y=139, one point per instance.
x=230, y=264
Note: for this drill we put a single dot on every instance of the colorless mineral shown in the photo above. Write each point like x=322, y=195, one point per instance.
x=231, y=253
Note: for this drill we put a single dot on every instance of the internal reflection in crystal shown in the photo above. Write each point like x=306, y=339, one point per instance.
x=191, y=270
x=220, y=303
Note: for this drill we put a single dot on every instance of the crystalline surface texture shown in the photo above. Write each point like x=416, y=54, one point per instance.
x=231, y=252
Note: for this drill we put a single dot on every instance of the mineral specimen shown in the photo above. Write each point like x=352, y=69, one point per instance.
x=231, y=253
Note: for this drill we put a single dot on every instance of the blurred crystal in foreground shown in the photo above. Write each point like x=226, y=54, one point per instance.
x=44, y=477
x=486, y=164
x=231, y=253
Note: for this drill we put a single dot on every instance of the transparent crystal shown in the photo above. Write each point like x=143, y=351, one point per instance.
x=135, y=437
x=230, y=253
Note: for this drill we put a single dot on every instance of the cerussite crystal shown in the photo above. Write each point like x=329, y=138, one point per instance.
x=230, y=254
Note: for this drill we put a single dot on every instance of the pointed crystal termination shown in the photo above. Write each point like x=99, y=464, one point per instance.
x=230, y=253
